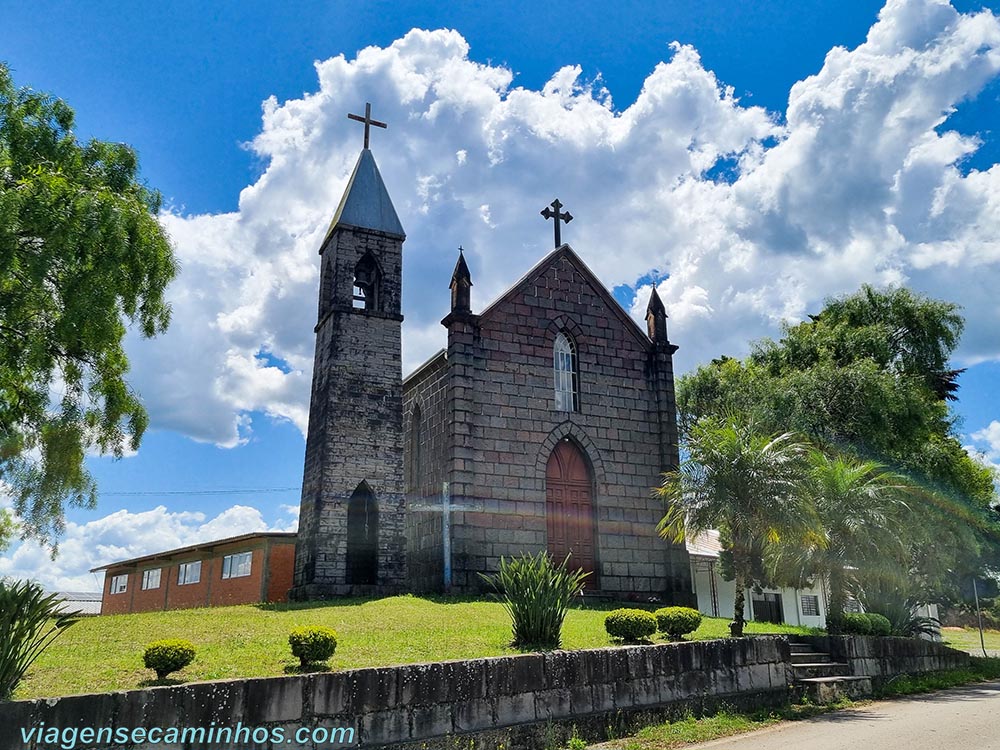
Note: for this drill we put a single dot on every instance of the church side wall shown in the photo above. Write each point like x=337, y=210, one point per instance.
x=515, y=426
x=426, y=462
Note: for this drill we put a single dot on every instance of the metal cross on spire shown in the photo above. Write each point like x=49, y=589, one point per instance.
x=368, y=121
x=554, y=213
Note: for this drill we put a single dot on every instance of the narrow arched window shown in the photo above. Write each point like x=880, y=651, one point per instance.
x=416, y=449
x=367, y=279
x=362, y=537
x=566, y=374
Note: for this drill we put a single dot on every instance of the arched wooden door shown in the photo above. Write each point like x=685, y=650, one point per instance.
x=362, y=537
x=569, y=509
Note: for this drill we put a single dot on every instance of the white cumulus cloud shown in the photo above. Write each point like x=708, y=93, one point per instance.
x=859, y=180
x=122, y=535
x=986, y=442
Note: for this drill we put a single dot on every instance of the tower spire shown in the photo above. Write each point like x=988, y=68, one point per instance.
x=656, y=318
x=461, y=284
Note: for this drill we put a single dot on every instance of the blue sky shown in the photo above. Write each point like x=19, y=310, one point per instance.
x=754, y=211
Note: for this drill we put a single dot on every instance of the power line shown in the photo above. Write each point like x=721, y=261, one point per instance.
x=227, y=491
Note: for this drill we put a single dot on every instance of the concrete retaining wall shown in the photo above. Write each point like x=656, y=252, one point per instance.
x=527, y=701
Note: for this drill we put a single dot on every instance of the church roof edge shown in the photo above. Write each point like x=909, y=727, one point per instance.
x=602, y=291
x=421, y=368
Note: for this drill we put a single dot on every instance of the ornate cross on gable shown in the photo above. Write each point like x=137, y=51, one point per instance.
x=554, y=213
x=368, y=121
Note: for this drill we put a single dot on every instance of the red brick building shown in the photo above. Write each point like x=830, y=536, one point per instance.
x=239, y=570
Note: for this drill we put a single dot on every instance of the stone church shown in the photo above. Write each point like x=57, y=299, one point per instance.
x=544, y=425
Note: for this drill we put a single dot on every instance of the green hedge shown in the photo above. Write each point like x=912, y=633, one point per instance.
x=677, y=622
x=312, y=644
x=865, y=623
x=167, y=656
x=630, y=624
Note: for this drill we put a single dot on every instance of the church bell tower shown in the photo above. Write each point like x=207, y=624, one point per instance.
x=352, y=517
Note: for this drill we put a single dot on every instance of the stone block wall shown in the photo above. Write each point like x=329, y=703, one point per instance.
x=882, y=658
x=506, y=426
x=524, y=702
x=355, y=419
x=425, y=414
x=519, y=701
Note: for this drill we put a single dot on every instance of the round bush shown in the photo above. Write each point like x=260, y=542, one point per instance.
x=630, y=624
x=167, y=656
x=312, y=644
x=856, y=623
x=879, y=624
x=677, y=622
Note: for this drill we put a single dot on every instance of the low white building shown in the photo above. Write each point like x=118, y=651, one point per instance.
x=806, y=606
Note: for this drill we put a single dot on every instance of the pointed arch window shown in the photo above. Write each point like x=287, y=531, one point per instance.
x=567, y=381
x=367, y=280
x=416, y=449
x=362, y=537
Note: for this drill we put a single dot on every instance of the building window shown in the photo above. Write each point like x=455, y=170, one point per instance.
x=119, y=584
x=367, y=279
x=151, y=579
x=566, y=379
x=188, y=573
x=416, y=450
x=767, y=607
x=362, y=537
x=810, y=605
x=236, y=566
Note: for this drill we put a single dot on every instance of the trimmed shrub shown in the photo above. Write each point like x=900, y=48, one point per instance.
x=880, y=624
x=30, y=620
x=536, y=593
x=866, y=623
x=856, y=623
x=677, y=622
x=312, y=644
x=167, y=656
x=630, y=624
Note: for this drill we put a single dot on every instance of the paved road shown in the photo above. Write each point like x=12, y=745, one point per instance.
x=966, y=718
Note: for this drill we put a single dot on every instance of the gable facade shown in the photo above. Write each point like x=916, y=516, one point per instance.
x=501, y=461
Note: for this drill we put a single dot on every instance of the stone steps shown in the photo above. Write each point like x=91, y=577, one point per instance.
x=831, y=689
x=810, y=657
x=819, y=679
x=820, y=669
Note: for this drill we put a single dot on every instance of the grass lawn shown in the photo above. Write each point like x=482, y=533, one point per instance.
x=105, y=653
x=967, y=639
x=690, y=730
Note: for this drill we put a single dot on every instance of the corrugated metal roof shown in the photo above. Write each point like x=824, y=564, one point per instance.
x=202, y=546
x=366, y=203
x=704, y=545
x=80, y=602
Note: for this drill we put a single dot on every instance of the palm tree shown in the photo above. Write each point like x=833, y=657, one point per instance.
x=745, y=484
x=860, y=505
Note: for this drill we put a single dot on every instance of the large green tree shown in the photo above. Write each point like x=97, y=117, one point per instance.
x=869, y=376
x=82, y=256
x=745, y=483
